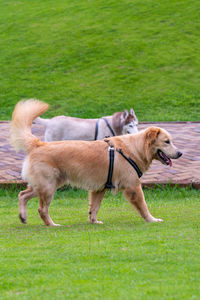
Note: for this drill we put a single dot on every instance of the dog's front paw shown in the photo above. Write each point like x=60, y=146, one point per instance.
x=154, y=220
x=53, y=224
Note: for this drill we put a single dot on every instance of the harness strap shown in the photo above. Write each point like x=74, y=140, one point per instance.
x=97, y=127
x=109, y=184
x=131, y=162
x=108, y=125
x=111, y=150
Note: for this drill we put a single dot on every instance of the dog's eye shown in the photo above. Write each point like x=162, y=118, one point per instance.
x=131, y=126
x=167, y=142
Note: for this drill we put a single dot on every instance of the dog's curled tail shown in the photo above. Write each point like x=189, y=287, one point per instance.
x=23, y=115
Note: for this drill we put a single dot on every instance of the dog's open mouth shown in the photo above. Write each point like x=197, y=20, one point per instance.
x=164, y=158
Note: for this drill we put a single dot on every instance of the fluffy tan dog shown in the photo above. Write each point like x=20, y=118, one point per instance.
x=48, y=166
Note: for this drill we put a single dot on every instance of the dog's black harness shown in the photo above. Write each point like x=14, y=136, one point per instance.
x=97, y=127
x=111, y=150
x=109, y=184
x=131, y=162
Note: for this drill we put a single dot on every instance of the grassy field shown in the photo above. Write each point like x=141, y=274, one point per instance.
x=92, y=58
x=125, y=258
x=88, y=59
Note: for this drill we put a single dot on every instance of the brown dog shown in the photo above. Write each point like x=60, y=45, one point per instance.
x=84, y=164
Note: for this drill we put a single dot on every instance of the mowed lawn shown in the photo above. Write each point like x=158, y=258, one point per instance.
x=88, y=59
x=92, y=58
x=125, y=258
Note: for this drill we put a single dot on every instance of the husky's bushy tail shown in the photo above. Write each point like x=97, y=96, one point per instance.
x=23, y=115
x=41, y=121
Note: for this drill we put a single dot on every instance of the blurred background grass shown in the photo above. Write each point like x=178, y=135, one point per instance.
x=92, y=58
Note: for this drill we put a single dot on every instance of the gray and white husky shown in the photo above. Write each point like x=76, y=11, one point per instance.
x=69, y=128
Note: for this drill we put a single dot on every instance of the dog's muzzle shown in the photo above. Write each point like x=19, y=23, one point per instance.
x=166, y=159
x=179, y=154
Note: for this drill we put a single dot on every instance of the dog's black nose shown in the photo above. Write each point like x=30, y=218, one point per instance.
x=179, y=154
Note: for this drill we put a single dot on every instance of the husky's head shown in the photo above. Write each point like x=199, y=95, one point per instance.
x=129, y=122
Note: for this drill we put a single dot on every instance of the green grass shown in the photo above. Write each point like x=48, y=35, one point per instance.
x=92, y=58
x=88, y=59
x=125, y=258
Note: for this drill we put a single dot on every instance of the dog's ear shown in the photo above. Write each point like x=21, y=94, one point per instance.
x=152, y=134
x=124, y=115
x=132, y=113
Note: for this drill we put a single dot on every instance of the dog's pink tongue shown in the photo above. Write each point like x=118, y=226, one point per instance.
x=167, y=159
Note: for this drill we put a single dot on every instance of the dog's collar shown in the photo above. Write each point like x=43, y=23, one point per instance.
x=97, y=127
x=111, y=150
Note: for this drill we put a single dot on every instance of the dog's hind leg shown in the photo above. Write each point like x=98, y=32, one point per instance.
x=24, y=197
x=136, y=198
x=45, y=201
x=94, y=205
